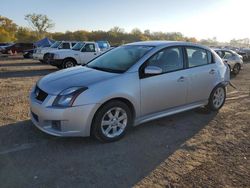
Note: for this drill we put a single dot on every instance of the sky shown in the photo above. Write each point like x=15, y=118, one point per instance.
x=223, y=19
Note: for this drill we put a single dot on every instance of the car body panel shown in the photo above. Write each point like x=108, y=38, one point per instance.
x=151, y=97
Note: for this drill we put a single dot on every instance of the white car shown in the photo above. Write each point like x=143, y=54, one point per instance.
x=80, y=54
x=41, y=54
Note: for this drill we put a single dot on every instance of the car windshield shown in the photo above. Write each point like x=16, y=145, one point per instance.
x=56, y=44
x=119, y=59
x=78, y=46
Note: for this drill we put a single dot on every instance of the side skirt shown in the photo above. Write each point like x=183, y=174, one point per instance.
x=169, y=112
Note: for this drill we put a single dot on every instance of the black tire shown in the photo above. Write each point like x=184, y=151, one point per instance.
x=67, y=63
x=236, y=69
x=96, y=128
x=212, y=105
x=46, y=58
x=41, y=61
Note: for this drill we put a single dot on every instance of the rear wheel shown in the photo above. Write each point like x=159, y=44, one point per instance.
x=236, y=69
x=217, y=98
x=111, y=121
x=67, y=63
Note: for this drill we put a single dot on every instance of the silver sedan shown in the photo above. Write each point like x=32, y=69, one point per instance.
x=127, y=86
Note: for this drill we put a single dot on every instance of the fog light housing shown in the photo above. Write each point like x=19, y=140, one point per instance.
x=55, y=124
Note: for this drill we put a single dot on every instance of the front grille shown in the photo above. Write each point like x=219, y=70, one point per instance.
x=40, y=94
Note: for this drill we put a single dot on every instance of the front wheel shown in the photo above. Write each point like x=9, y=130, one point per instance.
x=217, y=98
x=111, y=121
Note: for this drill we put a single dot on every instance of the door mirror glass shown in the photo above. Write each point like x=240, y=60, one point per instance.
x=153, y=70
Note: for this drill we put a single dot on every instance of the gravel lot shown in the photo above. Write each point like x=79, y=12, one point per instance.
x=191, y=149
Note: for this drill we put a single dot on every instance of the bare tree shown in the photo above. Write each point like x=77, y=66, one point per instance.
x=40, y=23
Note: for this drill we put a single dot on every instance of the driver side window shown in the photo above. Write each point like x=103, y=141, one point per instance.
x=89, y=48
x=169, y=59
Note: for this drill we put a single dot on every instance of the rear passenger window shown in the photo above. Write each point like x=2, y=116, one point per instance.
x=168, y=60
x=197, y=57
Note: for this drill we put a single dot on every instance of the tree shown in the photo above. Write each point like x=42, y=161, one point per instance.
x=40, y=23
x=24, y=34
x=7, y=30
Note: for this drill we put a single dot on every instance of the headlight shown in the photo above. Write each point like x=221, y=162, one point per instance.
x=67, y=97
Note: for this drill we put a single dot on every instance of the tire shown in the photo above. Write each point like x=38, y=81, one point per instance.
x=41, y=61
x=106, y=126
x=236, y=69
x=46, y=58
x=67, y=63
x=217, y=98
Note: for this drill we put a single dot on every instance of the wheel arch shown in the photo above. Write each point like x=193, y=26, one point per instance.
x=70, y=58
x=122, y=99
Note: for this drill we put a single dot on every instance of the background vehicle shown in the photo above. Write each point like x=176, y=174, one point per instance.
x=41, y=54
x=126, y=86
x=17, y=47
x=80, y=54
x=28, y=53
x=234, y=60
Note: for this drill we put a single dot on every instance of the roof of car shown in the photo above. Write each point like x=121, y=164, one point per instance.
x=165, y=43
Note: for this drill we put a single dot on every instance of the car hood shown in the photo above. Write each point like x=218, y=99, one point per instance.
x=56, y=82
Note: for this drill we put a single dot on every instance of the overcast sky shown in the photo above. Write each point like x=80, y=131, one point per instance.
x=224, y=19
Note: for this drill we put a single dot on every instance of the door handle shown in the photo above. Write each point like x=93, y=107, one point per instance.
x=212, y=71
x=95, y=53
x=181, y=79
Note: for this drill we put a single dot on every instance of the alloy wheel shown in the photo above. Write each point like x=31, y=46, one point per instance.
x=114, y=122
x=219, y=97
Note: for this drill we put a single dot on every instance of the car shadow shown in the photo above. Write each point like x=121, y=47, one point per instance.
x=31, y=158
x=27, y=73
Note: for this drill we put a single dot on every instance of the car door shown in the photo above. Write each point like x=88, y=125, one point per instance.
x=88, y=53
x=168, y=89
x=202, y=74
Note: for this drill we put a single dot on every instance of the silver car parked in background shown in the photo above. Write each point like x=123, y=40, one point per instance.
x=234, y=60
x=127, y=86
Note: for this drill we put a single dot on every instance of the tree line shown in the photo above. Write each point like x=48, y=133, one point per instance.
x=41, y=24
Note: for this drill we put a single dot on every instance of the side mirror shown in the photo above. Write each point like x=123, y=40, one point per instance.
x=152, y=70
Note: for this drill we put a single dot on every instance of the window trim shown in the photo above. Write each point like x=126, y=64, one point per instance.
x=184, y=57
x=144, y=65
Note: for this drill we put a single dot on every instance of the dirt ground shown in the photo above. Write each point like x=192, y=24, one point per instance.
x=192, y=149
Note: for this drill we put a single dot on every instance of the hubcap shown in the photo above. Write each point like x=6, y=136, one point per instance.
x=69, y=64
x=114, y=122
x=219, y=97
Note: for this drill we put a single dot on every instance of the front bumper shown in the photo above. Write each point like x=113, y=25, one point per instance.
x=64, y=122
x=38, y=56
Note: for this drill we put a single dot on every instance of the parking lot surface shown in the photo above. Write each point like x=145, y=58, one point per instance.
x=195, y=148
